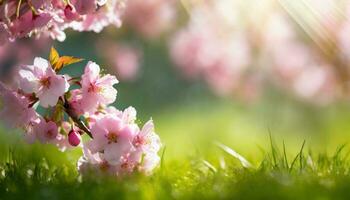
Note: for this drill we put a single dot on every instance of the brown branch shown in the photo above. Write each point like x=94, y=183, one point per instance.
x=81, y=125
x=76, y=120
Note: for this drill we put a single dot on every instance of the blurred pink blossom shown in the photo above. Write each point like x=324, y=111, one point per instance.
x=16, y=111
x=296, y=65
x=219, y=55
x=127, y=62
x=305, y=53
x=121, y=58
x=150, y=17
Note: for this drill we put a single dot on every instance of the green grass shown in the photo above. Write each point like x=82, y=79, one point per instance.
x=221, y=176
x=221, y=152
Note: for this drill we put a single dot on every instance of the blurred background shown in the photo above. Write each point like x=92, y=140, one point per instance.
x=230, y=71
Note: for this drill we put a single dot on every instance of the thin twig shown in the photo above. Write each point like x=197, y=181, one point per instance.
x=76, y=120
x=18, y=8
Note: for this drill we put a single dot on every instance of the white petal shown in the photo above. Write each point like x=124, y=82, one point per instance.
x=92, y=71
x=147, y=128
x=41, y=63
x=47, y=99
x=59, y=85
x=28, y=82
x=113, y=153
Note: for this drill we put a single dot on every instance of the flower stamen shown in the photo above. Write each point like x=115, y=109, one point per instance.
x=46, y=82
x=112, y=137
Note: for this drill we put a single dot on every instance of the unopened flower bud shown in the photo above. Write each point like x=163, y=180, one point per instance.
x=74, y=138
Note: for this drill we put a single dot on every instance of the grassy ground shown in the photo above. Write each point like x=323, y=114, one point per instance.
x=223, y=176
x=200, y=160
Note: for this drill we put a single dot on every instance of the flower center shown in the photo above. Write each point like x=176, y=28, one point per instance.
x=46, y=82
x=50, y=134
x=138, y=141
x=104, y=166
x=124, y=165
x=93, y=88
x=112, y=137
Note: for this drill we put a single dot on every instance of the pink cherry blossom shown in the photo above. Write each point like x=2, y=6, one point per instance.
x=125, y=147
x=128, y=116
x=16, y=110
x=147, y=139
x=92, y=118
x=150, y=161
x=108, y=131
x=128, y=164
x=97, y=89
x=29, y=132
x=119, y=145
x=46, y=131
x=147, y=144
x=125, y=150
x=95, y=162
x=75, y=102
x=42, y=80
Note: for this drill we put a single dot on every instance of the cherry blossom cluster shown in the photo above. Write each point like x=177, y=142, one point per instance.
x=22, y=18
x=301, y=48
x=76, y=108
x=214, y=48
x=150, y=18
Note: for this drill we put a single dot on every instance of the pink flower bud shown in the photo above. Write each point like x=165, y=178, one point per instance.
x=74, y=138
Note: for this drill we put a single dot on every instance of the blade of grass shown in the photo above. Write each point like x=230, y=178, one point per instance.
x=245, y=163
x=273, y=150
x=301, y=156
x=285, y=155
x=296, y=157
x=162, y=158
x=210, y=166
x=339, y=150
